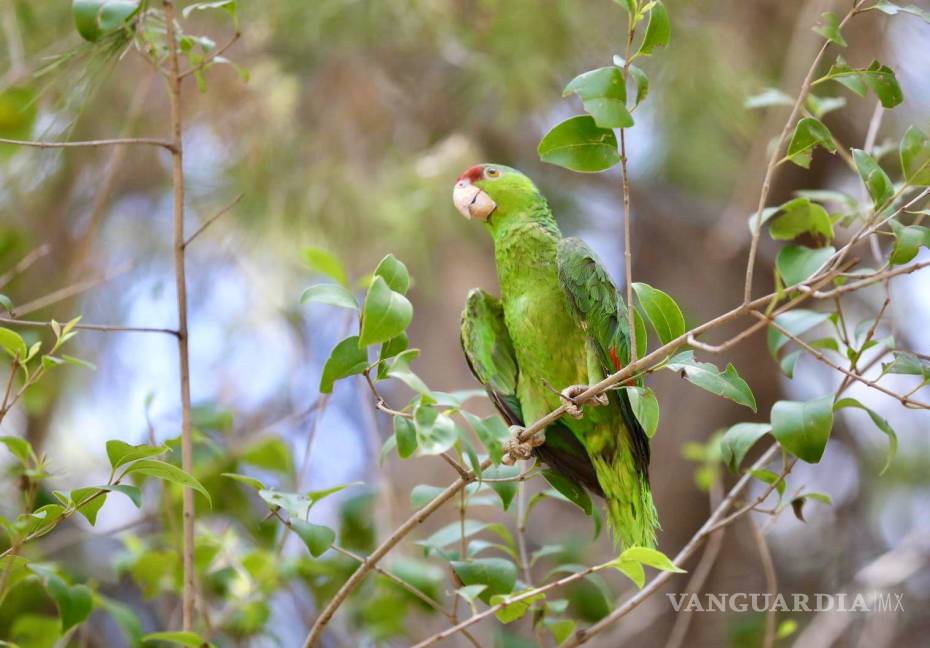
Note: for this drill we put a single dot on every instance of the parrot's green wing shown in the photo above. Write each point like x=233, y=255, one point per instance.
x=599, y=310
x=491, y=358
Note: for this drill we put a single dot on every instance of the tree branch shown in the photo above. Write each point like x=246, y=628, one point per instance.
x=773, y=158
x=145, y=141
x=177, y=177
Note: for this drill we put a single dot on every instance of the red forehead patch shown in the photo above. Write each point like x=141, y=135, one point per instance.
x=472, y=175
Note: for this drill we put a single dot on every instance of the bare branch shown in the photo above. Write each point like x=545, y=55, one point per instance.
x=180, y=275
x=103, y=328
x=771, y=581
x=145, y=141
x=25, y=263
x=66, y=293
x=213, y=218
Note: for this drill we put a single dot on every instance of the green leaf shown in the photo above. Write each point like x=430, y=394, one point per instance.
x=737, y=441
x=452, y=532
x=797, y=504
x=316, y=495
x=347, y=359
x=908, y=364
x=801, y=216
x=435, y=432
x=386, y=314
x=251, y=482
x=400, y=369
x=6, y=303
x=13, y=343
x=705, y=375
x=93, y=505
x=603, y=93
x=797, y=263
x=874, y=177
x=190, y=639
x=645, y=408
x=270, y=453
x=331, y=294
x=20, y=448
x=820, y=106
x=492, y=432
x=770, y=478
x=629, y=5
x=803, y=428
x=658, y=31
x=121, y=453
x=168, y=472
x=662, y=311
x=498, y=574
x=326, y=263
x=406, y=435
x=94, y=18
x=641, y=81
x=74, y=602
x=768, y=97
x=394, y=273
x=579, y=144
x=907, y=241
x=915, y=157
x=892, y=9
x=879, y=422
x=125, y=618
x=788, y=363
x=571, y=490
x=630, y=562
x=796, y=322
x=318, y=538
x=877, y=77
x=831, y=29
x=561, y=629
x=505, y=490
x=517, y=609
x=423, y=494
x=808, y=133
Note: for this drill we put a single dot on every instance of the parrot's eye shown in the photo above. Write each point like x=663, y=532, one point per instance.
x=491, y=172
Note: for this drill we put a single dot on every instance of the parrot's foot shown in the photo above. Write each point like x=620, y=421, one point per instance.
x=515, y=449
x=569, y=396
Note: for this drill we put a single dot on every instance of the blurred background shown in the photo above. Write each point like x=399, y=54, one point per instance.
x=344, y=129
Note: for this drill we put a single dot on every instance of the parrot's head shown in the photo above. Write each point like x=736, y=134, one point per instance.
x=487, y=190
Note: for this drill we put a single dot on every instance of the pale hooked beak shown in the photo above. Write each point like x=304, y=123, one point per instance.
x=472, y=202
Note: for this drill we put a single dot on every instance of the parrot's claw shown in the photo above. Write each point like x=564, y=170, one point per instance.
x=515, y=449
x=569, y=397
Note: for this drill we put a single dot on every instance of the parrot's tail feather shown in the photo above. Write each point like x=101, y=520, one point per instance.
x=631, y=513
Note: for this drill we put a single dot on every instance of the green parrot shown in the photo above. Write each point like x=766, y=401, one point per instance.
x=558, y=326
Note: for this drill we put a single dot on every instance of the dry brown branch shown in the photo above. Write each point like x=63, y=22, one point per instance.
x=66, y=293
x=180, y=275
x=771, y=581
x=24, y=264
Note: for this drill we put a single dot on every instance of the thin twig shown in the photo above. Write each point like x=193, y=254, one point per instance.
x=103, y=328
x=211, y=56
x=819, y=355
x=774, y=157
x=149, y=141
x=213, y=218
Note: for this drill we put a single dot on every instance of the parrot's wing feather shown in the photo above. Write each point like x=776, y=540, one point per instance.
x=599, y=310
x=489, y=352
x=491, y=358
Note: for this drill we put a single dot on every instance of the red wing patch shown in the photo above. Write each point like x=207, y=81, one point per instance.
x=615, y=358
x=472, y=175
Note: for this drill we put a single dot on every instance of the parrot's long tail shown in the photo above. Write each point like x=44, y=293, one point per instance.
x=622, y=467
x=631, y=513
